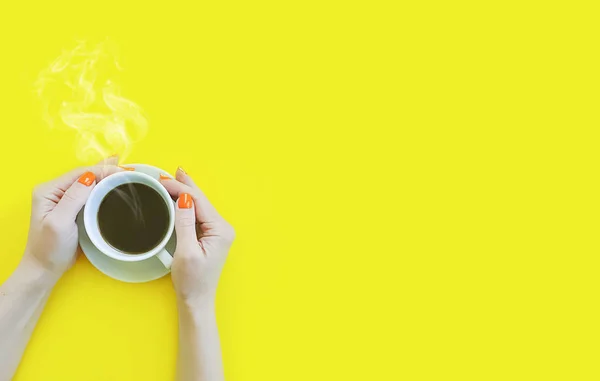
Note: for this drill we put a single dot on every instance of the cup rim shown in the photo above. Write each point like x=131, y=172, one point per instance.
x=96, y=237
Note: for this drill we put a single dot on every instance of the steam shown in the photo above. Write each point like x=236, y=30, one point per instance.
x=78, y=91
x=132, y=199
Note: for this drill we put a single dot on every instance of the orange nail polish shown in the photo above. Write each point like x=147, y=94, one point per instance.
x=164, y=177
x=87, y=179
x=181, y=169
x=127, y=168
x=185, y=201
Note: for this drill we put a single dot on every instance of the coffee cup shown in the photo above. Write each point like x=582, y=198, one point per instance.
x=99, y=231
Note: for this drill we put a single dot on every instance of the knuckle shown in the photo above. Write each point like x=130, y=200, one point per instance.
x=186, y=222
x=70, y=195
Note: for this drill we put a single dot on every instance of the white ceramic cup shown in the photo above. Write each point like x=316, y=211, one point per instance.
x=90, y=217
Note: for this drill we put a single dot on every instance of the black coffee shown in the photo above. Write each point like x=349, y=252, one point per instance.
x=133, y=218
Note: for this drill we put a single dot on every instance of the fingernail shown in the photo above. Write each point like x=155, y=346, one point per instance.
x=185, y=201
x=87, y=179
x=181, y=169
x=164, y=177
x=127, y=168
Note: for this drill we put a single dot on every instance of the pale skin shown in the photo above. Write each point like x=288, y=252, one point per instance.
x=203, y=241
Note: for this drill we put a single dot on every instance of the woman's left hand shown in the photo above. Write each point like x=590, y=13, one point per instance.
x=53, y=235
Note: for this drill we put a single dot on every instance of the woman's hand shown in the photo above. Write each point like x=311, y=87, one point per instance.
x=203, y=241
x=50, y=251
x=52, y=240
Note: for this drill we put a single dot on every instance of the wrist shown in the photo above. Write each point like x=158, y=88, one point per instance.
x=34, y=275
x=197, y=305
x=195, y=316
x=41, y=263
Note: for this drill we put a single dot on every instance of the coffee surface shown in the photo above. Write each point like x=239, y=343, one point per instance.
x=133, y=218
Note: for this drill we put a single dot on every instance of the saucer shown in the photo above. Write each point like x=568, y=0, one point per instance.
x=131, y=272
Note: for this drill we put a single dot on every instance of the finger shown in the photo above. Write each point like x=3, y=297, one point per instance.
x=75, y=197
x=174, y=187
x=100, y=171
x=205, y=212
x=199, y=196
x=104, y=168
x=185, y=222
x=111, y=160
x=183, y=177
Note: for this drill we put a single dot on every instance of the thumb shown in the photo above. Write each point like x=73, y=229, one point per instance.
x=75, y=197
x=185, y=222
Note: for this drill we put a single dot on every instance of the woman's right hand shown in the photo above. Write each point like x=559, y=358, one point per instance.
x=203, y=241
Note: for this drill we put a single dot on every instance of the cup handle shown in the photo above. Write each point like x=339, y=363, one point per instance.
x=165, y=258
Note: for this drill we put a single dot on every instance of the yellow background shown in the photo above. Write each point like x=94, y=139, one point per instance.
x=413, y=184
